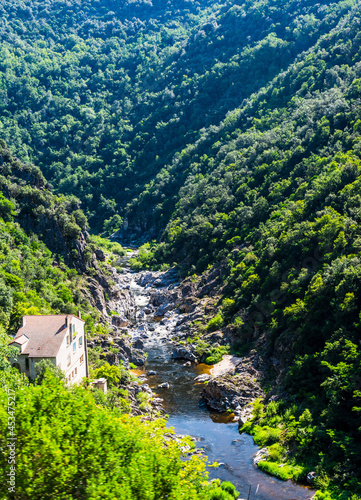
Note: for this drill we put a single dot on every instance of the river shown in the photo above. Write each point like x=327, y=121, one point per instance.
x=215, y=433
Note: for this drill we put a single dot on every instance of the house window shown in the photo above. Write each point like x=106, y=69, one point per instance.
x=68, y=361
x=82, y=359
x=74, y=346
x=27, y=364
x=76, y=371
x=67, y=340
x=80, y=340
x=73, y=328
x=69, y=378
x=72, y=374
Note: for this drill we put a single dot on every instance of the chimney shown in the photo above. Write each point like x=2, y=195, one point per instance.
x=79, y=314
x=66, y=321
x=23, y=321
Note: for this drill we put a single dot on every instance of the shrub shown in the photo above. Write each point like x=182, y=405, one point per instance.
x=216, y=355
x=230, y=488
x=215, y=323
x=219, y=494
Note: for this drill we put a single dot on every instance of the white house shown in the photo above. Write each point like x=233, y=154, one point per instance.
x=59, y=338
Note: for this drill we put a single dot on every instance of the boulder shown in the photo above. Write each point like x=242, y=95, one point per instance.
x=183, y=353
x=261, y=455
x=163, y=309
x=311, y=477
x=231, y=391
x=119, y=321
x=138, y=357
x=99, y=254
x=203, y=378
x=124, y=345
x=164, y=385
x=138, y=343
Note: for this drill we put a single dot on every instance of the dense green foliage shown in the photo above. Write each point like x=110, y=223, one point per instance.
x=69, y=447
x=229, y=131
x=109, y=99
x=33, y=278
x=291, y=433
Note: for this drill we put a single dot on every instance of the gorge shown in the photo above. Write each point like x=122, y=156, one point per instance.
x=158, y=331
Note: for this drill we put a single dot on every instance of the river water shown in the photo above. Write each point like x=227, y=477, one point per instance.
x=215, y=433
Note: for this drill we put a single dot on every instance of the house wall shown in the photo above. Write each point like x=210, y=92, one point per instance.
x=76, y=370
x=21, y=361
x=32, y=363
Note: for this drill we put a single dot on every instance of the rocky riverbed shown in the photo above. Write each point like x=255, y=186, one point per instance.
x=154, y=305
x=152, y=329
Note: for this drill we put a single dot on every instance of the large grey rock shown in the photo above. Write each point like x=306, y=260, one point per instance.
x=119, y=321
x=183, y=353
x=164, y=385
x=231, y=391
x=124, y=345
x=138, y=357
x=261, y=455
x=163, y=309
x=138, y=343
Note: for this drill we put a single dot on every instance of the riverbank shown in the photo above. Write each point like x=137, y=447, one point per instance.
x=156, y=324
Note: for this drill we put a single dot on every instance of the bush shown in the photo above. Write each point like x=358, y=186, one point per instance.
x=215, y=323
x=230, y=488
x=216, y=355
x=101, y=453
x=71, y=230
x=220, y=494
x=266, y=435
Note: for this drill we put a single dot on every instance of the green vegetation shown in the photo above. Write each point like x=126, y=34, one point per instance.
x=294, y=439
x=95, y=452
x=215, y=323
x=127, y=103
x=216, y=354
x=225, y=133
x=144, y=258
x=108, y=246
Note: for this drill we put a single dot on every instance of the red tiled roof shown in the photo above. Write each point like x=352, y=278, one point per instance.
x=45, y=334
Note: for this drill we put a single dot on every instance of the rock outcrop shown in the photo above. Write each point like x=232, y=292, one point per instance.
x=183, y=353
x=234, y=391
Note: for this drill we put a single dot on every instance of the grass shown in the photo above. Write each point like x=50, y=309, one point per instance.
x=284, y=472
x=263, y=436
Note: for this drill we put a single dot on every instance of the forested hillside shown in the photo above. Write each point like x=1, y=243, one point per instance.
x=33, y=278
x=107, y=99
x=47, y=266
x=228, y=133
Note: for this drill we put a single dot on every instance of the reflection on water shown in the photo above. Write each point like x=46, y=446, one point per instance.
x=222, y=418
